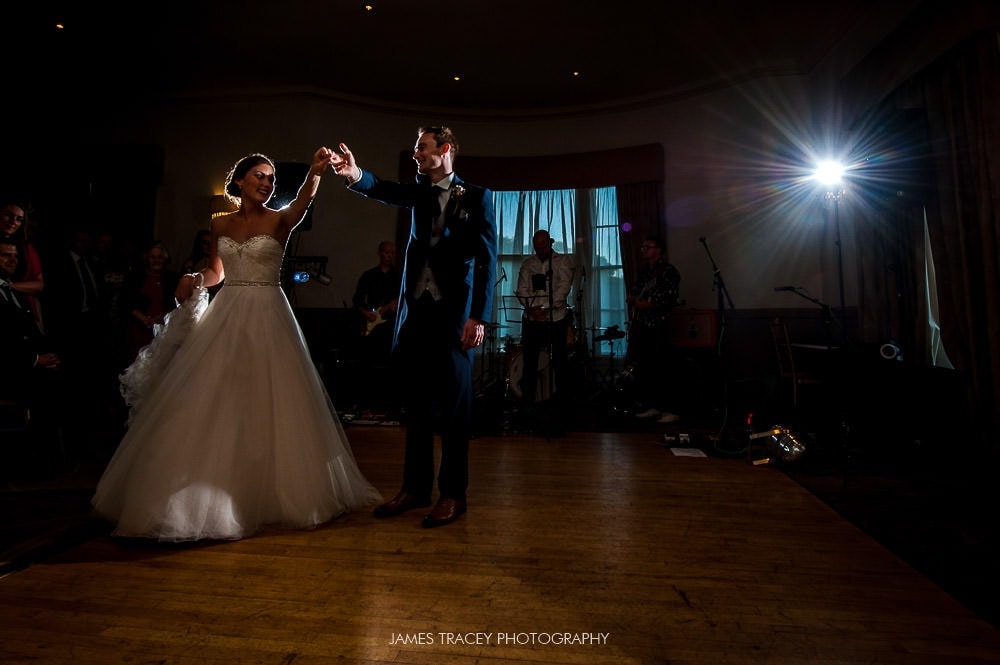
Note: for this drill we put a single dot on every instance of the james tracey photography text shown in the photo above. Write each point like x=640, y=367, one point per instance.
x=499, y=639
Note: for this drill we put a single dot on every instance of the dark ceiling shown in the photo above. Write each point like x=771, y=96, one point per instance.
x=510, y=56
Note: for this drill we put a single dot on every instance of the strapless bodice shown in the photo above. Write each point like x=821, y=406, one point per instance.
x=258, y=259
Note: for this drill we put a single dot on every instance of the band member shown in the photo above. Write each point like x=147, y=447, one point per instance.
x=543, y=285
x=651, y=301
x=376, y=298
x=377, y=295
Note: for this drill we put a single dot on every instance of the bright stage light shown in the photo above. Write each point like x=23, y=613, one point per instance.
x=303, y=276
x=305, y=269
x=829, y=173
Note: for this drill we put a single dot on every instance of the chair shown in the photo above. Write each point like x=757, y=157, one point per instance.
x=788, y=371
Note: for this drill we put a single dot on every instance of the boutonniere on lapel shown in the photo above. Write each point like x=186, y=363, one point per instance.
x=455, y=203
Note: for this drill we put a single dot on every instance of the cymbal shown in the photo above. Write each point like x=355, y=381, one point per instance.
x=610, y=336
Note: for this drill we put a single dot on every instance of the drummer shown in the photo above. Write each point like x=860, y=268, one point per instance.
x=543, y=285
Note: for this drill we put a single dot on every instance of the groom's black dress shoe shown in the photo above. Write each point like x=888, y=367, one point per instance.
x=444, y=512
x=400, y=504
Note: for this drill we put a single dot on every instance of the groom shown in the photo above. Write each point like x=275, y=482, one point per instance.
x=446, y=300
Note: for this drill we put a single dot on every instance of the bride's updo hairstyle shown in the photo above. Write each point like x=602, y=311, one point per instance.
x=240, y=169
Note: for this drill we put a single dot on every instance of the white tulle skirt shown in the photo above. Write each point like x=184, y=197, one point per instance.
x=231, y=428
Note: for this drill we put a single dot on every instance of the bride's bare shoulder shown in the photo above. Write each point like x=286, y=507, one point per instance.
x=220, y=224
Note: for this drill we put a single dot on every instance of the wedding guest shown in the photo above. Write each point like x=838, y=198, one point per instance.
x=31, y=376
x=29, y=282
x=201, y=252
x=147, y=296
x=78, y=321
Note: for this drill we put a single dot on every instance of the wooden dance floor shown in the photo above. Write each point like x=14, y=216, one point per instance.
x=592, y=548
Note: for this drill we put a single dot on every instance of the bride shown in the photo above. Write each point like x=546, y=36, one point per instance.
x=230, y=427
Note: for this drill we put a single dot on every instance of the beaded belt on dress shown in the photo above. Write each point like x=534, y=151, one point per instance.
x=246, y=282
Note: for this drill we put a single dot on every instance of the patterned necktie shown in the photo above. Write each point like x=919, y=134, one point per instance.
x=8, y=294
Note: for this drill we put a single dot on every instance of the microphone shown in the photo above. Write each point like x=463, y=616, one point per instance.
x=784, y=288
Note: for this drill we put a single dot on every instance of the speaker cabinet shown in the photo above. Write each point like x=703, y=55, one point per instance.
x=694, y=328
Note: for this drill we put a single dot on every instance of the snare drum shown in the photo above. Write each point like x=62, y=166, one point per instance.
x=511, y=346
x=516, y=371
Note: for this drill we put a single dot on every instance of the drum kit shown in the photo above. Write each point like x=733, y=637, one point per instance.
x=515, y=370
x=609, y=335
x=591, y=375
x=505, y=353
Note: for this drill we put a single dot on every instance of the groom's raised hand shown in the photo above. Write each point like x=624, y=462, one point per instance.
x=343, y=164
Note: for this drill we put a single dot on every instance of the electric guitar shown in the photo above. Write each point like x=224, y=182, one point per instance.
x=379, y=320
x=633, y=309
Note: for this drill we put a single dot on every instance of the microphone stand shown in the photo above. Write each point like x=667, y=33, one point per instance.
x=502, y=278
x=722, y=294
x=552, y=326
x=827, y=313
x=718, y=284
x=488, y=359
x=840, y=403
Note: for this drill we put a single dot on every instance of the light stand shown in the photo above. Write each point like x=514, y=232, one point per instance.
x=834, y=194
x=834, y=197
x=831, y=175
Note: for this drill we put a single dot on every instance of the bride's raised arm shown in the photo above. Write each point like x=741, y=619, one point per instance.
x=293, y=213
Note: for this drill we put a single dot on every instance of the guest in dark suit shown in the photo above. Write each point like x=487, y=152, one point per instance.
x=446, y=300
x=28, y=363
x=78, y=321
x=23, y=348
x=28, y=283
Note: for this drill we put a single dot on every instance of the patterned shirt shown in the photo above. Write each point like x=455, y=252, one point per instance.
x=660, y=284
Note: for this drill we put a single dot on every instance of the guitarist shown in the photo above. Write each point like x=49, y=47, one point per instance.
x=377, y=293
x=651, y=300
x=375, y=298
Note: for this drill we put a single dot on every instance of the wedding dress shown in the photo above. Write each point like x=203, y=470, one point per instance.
x=232, y=429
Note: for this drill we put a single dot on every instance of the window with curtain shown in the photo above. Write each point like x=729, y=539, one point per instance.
x=584, y=224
